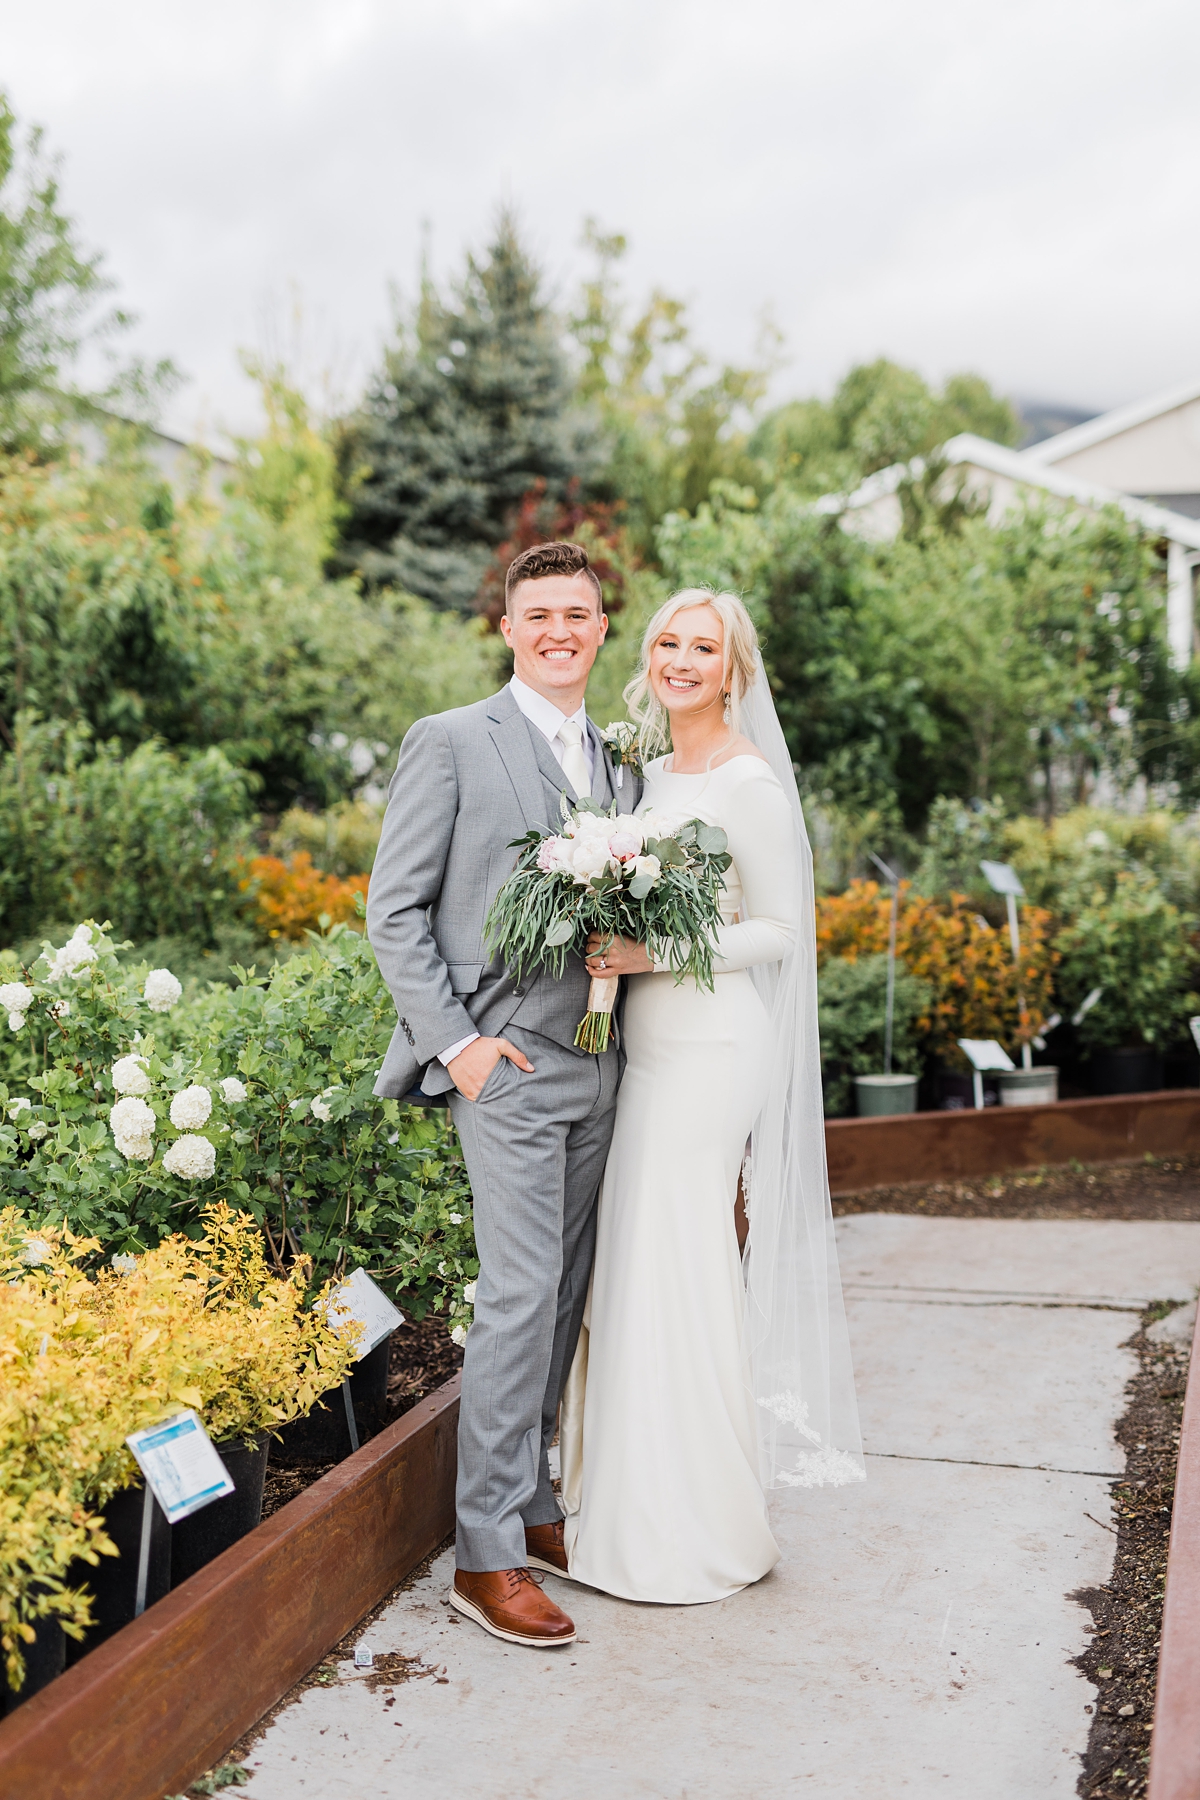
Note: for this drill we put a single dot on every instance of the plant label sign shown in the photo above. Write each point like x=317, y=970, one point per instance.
x=182, y=1469
x=361, y=1300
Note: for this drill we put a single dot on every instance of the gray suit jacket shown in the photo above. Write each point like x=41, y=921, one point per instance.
x=467, y=783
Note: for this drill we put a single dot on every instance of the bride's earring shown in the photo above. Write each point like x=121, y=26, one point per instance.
x=727, y=713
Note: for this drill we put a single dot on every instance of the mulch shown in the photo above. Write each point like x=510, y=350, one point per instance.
x=1122, y=1654
x=1155, y=1188
x=422, y=1358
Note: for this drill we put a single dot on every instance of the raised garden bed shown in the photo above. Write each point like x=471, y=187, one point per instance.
x=144, y=1713
x=866, y=1153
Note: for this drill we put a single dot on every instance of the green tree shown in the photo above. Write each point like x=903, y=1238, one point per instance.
x=471, y=409
x=1008, y=662
x=880, y=414
x=671, y=424
x=49, y=290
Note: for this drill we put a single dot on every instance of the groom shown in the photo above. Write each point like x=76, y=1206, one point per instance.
x=534, y=1114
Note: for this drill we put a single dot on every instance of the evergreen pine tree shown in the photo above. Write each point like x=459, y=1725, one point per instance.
x=470, y=411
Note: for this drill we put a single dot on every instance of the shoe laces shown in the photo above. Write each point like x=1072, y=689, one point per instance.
x=517, y=1576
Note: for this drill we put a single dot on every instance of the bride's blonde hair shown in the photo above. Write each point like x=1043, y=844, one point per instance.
x=741, y=661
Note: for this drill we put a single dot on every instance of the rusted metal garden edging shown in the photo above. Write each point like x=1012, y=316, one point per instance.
x=946, y=1146
x=1175, y=1746
x=147, y=1711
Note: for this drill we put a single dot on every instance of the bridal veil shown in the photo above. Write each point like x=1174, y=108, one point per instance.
x=796, y=1337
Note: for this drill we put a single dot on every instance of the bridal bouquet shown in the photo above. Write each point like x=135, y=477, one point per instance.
x=654, y=879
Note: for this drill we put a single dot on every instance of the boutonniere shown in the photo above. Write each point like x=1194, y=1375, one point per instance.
x=621, y=740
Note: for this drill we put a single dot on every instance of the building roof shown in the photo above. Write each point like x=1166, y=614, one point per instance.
x=1016, y=465
x=1110, y=424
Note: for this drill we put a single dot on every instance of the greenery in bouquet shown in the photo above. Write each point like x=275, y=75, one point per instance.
x=852, y=1012
x=1139, y=949
x=653, y=879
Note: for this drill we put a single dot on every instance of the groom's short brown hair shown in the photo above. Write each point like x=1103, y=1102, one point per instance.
x=551, y=559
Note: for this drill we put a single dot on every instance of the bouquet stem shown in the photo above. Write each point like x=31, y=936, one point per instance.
x=593, y=1030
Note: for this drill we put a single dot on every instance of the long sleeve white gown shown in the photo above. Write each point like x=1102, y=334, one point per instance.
x=658, y=1448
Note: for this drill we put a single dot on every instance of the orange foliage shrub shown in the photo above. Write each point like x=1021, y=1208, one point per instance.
x=967, y=962
x=292, y=897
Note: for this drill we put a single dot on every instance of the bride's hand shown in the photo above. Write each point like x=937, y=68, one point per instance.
x=621, y=956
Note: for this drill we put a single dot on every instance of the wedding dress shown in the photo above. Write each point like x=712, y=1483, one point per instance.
x=659, y=1435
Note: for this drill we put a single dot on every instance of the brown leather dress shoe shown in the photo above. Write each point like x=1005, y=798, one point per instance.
x=510, y=1604
x=546, y=1549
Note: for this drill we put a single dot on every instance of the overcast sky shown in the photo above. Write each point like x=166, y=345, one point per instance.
x=1010, y=188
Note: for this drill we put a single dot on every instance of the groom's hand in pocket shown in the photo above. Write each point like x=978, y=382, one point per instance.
x=470, y=1069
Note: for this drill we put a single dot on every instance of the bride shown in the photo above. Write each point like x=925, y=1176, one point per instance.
x=706, y=1373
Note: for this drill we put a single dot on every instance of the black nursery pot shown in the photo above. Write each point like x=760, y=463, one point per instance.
x=45, y=1658
x=1131, y=1070
x=323, y=1435
x=956, y=1090
x=204, y=1534
x=113, y=1583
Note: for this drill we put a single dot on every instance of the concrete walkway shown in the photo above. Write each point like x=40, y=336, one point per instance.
x=916, y=1637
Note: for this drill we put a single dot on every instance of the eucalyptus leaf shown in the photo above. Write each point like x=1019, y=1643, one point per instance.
x=561, y=932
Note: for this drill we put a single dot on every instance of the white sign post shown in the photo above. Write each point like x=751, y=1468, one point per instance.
x=182, y=1471
x=360, y=1301
x=1002, y=878
x=982, y=1054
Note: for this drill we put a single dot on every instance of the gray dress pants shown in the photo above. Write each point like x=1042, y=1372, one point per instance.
x=535, y=1147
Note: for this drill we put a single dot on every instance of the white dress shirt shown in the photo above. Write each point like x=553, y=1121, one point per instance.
x=546, y=718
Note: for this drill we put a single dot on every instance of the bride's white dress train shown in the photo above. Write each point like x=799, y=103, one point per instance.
x=658, y=1444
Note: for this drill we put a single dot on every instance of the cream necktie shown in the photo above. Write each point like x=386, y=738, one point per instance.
x=574, y=762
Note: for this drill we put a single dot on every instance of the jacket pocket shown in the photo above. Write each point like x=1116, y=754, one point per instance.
x=464, y=977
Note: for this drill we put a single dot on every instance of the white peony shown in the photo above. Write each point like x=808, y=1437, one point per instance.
x=36, y=1251
x=124, y=1265
x=190, y=1108
x=15, y=1021
x=75, y=954
x=458, y=1335
x=38, y=1130
x=133, y=1123
x=469, y=1292
x=192, y=1157
x=456, y=1218
x=18, y=1104
x=298, y=1106
x=589, y=857
x=130, y=1075
x=161, y=991
x=15, y=996
x=554, y=855
x=232, y=1090
x=647, y=865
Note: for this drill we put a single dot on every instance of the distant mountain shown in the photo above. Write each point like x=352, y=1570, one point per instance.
x=1039, y=420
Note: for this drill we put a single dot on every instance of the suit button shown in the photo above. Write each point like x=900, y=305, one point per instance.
x=519, y=992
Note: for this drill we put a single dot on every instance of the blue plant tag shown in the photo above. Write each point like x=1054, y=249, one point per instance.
x=181, y=1467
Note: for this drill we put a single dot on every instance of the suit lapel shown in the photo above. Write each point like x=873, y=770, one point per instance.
x=509, y=731
x=604, y=780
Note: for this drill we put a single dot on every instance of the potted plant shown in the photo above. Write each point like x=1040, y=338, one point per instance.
x=1134, y=952
x=852, y=1016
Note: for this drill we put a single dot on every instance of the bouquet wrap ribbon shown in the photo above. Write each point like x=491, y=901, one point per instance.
x=594, y=1027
